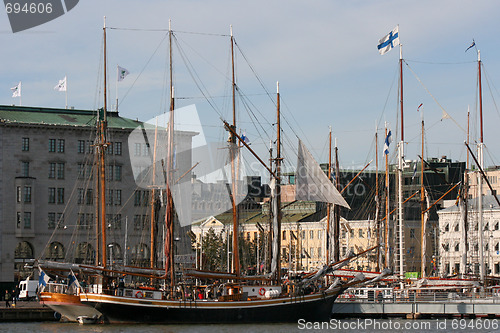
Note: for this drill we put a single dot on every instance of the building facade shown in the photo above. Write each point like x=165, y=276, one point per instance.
x=48, y=190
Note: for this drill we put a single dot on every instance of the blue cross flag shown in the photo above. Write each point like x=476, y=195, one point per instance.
x=388, y=140
x=386, y=43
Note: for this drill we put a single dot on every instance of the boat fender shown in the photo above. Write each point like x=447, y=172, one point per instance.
x=262, y=291
x=139, y=294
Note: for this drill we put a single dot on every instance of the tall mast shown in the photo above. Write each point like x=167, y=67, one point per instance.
x=233, y=152
x=153, y=205
x=169, y=216
x=278, y=182
x=377, y=203
x=479, y=177
x=386, y=236
x=336, y=224
x=465, y=194
x=102, y=148
x=400, y=167
x=422, y=205
x=329, y=206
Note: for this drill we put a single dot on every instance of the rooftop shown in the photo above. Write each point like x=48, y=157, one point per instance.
x=12, y=115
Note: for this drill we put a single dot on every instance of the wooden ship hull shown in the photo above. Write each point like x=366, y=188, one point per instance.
x=119, y=309
x=69, y=306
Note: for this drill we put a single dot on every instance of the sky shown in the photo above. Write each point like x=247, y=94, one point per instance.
x=323, y=53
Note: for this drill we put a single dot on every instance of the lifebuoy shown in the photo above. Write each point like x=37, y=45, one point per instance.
x=139, y=294
x=262, y=291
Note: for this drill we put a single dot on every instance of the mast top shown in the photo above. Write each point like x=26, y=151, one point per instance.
x=104, y=22
x=478, y=55
x=169, y=24
x=277, y=87
x=231, y=30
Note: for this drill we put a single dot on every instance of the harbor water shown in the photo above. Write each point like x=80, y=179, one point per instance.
x=334, y=325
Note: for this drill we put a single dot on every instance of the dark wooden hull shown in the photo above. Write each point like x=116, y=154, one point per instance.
x=316, y=307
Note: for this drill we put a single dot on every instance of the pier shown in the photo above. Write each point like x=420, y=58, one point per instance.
x=26, y=311
x=420, y=305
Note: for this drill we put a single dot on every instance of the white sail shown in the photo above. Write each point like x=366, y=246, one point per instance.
x=311, y=182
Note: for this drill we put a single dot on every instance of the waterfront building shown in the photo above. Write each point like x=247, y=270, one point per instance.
x=47, y=187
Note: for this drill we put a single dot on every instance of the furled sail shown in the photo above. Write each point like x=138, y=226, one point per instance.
x=311, y=182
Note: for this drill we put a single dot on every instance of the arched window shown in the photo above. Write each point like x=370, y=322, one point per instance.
x=114, y=252
x=140, y=255
x=24, y=250
x=84, y=254
x=55, y=251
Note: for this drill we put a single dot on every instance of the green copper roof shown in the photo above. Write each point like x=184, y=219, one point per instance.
x=60, y=117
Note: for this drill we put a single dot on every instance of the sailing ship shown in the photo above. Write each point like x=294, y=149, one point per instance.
x=64, y=297
x=228, y=297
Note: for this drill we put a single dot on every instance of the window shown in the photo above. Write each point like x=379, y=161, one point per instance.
x=60, y=220
x=51, y=220
x=18, y=220
x=487, y=226
x=446, y=247
x=109, y=148
x=81, y=146
x=60, y=170
x=319, y=236
x=311, y=235
x=18, y=194
x=319, y=252
x=117, y=221
x=457, y=228
x=284, y=235
x=25, y=169
x=118, y=148
x=89, y=198
x=497, y=247
x=457, y=247
x=146, y=149
x=27, y=194
x=412, y=233
x=52, y=170
x=27, y=220
x=26, y=144
x=141, y=222
x=81, y=171
x=52, y=145
x=137, y=151
x=109, y=197
x=311, y=251
x=118, y=197
x=447, y=228
x=145, y=198
x=81, y=196
x=52, y=195
x=361, y=234
x=352, y=233
x=109, y=172
x=60, y=146
x=89, y=172
x=118, y=172
x=137, y=198
x=496, y=225
x=343, y=233
x=60, y=195
x=89, y=146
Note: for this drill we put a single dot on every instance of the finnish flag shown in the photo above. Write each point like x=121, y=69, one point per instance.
x=42, y=279
x=386, y=43
x=388, y=140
